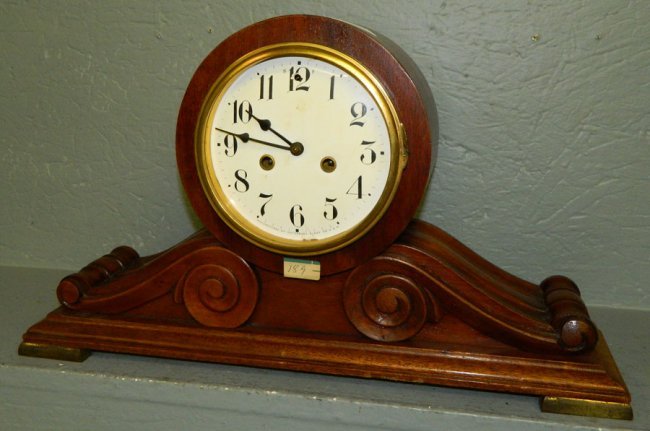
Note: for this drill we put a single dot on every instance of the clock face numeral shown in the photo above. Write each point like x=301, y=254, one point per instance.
x=358, y=111
x=368, y=156
x=230, y=143
x=242, y=111
x=356, y=189
x=330, y=213
x=266, y=87
x=298, y=77
x=296, y=217
x=323, y=187
x=241, y=183
x=268, y=198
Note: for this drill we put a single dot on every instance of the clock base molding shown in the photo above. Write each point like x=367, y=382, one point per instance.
x=427, y=310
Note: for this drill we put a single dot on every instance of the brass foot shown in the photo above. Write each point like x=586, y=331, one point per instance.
x=581, y=407
x=53, y=352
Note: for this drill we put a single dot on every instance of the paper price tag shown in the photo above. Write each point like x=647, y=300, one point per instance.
x=304, y=269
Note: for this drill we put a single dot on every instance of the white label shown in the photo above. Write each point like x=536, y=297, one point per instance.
x=304, y=269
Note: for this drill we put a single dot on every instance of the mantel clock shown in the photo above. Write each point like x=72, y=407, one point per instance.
x=305, y=145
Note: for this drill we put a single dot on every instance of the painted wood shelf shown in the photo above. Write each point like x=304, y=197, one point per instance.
x=112, y=391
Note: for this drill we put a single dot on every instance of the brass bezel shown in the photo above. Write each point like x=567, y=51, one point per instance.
x=214, y=192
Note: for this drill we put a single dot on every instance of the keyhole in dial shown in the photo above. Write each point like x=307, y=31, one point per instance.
x=328, y=164
x=267, y=162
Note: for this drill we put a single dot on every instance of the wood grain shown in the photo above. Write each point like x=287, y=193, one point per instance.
x=454, y=331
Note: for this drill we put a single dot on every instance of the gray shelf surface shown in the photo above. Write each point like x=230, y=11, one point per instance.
x=116, y=391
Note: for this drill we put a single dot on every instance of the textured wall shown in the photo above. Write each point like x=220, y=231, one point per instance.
x=544, y=157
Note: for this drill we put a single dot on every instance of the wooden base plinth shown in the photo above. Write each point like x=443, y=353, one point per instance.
x=413, y=314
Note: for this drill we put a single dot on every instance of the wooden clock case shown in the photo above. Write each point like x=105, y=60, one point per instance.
x=407, y=302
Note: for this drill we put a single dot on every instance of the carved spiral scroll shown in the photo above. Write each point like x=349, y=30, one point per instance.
x=569, y=315
x=222, y=294
x=386, y=306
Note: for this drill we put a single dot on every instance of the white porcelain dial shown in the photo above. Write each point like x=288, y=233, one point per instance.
x=301, y=151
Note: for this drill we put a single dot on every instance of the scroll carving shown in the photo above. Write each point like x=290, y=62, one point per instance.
x=426, y=263
x=222, y=293
x=569, y=315
x=387, y=302
x=72, y=288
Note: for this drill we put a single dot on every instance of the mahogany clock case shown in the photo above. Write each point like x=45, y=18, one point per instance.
x=398, y=75
x=407, y=302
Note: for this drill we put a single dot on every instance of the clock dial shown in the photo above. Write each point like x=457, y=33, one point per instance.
x=301, y=152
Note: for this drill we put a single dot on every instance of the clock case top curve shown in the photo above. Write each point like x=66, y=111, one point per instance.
x=404, y=85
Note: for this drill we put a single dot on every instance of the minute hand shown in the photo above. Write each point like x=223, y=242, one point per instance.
x=245, y=137
x=296, y=148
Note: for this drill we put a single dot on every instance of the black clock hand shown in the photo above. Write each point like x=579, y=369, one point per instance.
x=296, y=148
x=245, y=137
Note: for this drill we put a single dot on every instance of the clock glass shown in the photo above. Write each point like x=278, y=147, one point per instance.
x=299, y=149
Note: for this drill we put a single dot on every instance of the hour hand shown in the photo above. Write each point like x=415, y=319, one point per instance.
x=245, y=137
x=296, y=148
